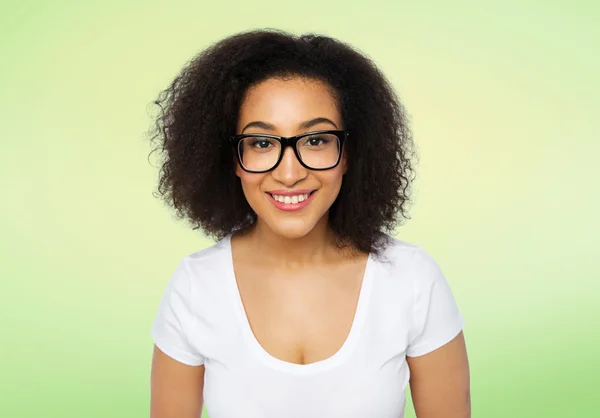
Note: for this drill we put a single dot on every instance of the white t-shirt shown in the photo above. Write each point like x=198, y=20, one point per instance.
x=405, y=308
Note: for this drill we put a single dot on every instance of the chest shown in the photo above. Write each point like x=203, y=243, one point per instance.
x=353, y=389
x=309, y=344
x=300, y=317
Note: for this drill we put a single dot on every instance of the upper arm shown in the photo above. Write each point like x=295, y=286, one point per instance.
x=440, y=382
x=176, y=388
x=177, y=376
x=436, y=354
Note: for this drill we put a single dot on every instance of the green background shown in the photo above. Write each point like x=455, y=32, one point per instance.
x=504, y=103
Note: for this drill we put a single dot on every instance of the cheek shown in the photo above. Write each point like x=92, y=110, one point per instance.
x=250, y=183
x=337, y=174
x=332, y=180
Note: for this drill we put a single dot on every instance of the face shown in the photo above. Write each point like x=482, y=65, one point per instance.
x=288, y=108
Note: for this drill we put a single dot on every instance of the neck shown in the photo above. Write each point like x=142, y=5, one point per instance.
x=315, y=247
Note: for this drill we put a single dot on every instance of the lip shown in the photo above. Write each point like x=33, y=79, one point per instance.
x=291, y=192
x=291, y=206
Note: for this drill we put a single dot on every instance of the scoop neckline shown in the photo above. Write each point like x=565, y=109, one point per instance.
x=261, y=353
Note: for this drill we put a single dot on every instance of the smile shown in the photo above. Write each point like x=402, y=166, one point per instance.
x=291, y=200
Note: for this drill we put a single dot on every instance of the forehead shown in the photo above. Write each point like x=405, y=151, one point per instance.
x=287, y=102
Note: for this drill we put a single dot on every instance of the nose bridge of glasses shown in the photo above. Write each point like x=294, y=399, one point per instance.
x=288, y=142
x=288, y=146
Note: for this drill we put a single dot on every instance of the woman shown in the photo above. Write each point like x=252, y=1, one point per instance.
x=294, y=154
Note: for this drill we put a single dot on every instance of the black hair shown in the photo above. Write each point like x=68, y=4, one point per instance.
x=199, y=112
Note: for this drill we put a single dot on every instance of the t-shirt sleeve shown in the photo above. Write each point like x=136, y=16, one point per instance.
x=174, y=318
x=437, y=319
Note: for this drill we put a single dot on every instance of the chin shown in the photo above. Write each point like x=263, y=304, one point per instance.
x=291, y=229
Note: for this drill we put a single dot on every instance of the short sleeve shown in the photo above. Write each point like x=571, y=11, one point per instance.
x=174, y=318
x=437, y=319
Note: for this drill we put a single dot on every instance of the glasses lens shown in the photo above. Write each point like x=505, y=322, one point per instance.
x=319, y=150
x=258, y=153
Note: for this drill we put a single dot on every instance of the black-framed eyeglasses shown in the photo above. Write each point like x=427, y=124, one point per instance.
x=259, y=153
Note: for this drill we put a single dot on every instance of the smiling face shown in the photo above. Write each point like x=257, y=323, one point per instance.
x=279, y=197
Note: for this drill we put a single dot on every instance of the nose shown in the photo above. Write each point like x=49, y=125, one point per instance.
x=289, y=171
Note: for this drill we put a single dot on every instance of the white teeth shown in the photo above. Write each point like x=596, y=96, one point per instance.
x=291, y=199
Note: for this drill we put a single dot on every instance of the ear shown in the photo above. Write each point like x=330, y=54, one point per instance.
x=344, y=162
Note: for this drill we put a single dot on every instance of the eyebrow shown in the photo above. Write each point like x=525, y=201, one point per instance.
x=304, y=125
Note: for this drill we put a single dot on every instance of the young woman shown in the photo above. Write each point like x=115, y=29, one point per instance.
x=294, y=154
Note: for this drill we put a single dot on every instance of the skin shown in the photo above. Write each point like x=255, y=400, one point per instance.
x=280, y=107
x=175, y=388
x=440, y=382
x=300, y=295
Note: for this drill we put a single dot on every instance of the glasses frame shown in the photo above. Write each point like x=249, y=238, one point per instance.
x=285, y=142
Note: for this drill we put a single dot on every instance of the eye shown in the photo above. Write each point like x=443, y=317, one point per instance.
x=315, y=141
x=260, y=143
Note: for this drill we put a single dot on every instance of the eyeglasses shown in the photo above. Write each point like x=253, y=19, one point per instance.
x=259, y=153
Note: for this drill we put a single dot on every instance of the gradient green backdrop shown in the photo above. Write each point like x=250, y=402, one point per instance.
x=504, y=102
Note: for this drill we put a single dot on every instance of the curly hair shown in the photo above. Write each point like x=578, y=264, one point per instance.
x=199, y=111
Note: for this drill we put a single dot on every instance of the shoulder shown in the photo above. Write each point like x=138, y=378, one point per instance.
x=204, y=271
x=401, y=254
x=208, y=258
x=410, y=265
